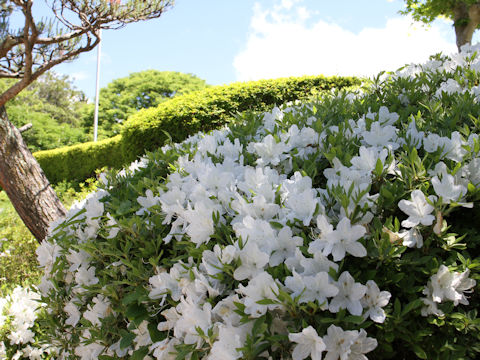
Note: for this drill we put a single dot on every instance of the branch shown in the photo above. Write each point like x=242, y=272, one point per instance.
x=25, y=127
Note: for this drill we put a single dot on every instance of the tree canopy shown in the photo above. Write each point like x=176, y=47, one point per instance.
x=465, y=15
x=125, y=96
x=54, y=108
x=29, y=47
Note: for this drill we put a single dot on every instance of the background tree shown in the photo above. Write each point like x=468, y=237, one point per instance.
x=54, y=108
x=465, y=15
x=125, y=96
x=27, y=52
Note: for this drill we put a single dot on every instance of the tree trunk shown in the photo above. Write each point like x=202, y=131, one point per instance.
x=25, y=183
x=465, y=20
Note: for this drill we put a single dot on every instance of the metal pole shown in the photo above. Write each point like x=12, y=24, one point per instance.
x=97, y=90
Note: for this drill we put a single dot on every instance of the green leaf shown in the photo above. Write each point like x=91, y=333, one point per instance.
x=357, y=320
x=411, y=306
x=419, y=351
x=267, y=302
x=127, y=340
x=140, y=354
x=378, y=168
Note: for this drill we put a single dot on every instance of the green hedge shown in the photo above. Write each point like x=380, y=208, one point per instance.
x=211, y=108
x=78, y=162
x=182, y=116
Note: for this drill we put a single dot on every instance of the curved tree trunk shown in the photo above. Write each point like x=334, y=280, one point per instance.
x=466, y=20
x=25, y=183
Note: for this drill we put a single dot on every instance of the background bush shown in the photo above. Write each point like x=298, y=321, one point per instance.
x=179, y=117
x=216, y=106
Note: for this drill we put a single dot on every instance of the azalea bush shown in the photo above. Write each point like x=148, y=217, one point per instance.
x=341, y=228
x=20, y=332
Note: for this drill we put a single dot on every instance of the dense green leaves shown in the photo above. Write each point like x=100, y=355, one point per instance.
x=123, y=97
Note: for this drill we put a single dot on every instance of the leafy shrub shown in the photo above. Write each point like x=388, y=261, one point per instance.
x=19, y=308
x=187, y=114
x=140, y=90
x=344, y=227
x=216, y=106
x=79, y=162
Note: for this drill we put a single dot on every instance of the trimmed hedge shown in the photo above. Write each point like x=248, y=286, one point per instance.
x=211, y=108
x=180, y=117
x=78, y=162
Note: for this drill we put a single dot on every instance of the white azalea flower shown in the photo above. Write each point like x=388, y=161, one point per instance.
x=193, y=316
x=285, y=246
x=381, y=136
x=230, y=338
x=445, y=285
x=368, y=157
x=349, y=295
x=74, y=314
x=253, y=261
x=338, y=343
x=362, y=345
x=147, y=202
x=411, y=238
x=99, y=310
x=308, y=344
x=374, y=300
x=165, y=349
x=341, y=241
x=447, y=189
x=418, y=210
x=261, y=287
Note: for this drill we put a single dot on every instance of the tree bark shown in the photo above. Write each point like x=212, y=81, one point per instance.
x=25, y=183
x=466, y=19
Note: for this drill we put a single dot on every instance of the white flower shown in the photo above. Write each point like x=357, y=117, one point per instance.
x=338, y=343
x=349, y=295
x=368, y=157
x=261, y=287
x=319, y=288
x=98, y=311
x=142, y=337
x=162, y=285
x=308, y=344
x=200, y=222
x=341, y=241
x=411, y=238
x=147, y=202
x=193, y=316
x=253, y=262
x=447, y=189
x=285, y=246
x=165, y=349
x=413, y=136
x=445, y=285
x=374, y=300
x=302, y=206
x=73, y=313
x=47, y=252
x=269, y=151
x=230, y=338
x=381, y=136
x=90, y=351
x=85, y=276
x=362, y=345
x=3, y=350
x=418, y=210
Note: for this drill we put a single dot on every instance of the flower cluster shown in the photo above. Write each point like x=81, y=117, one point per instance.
x=313, y=229
x=18, y=314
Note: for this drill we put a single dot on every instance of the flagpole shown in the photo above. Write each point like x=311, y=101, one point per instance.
x=97, y=89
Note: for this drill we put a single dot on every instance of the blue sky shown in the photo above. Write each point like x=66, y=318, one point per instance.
x=224, y=41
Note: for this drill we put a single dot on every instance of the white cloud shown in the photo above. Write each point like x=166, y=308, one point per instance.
x=286, y=41
x=80, y=75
